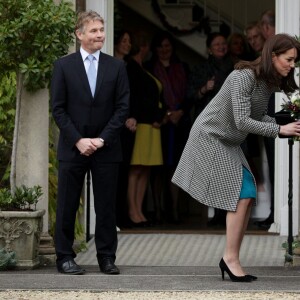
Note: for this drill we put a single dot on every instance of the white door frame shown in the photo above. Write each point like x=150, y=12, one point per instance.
x=287, y=21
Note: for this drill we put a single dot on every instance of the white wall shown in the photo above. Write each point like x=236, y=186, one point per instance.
x=105, y=8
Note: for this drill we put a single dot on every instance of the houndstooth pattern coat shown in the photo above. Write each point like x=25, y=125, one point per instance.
x=210, y=168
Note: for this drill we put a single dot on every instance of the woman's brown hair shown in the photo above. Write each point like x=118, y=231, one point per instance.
x=263, y=66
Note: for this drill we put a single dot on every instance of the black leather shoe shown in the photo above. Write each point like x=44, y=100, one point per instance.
x=70, y=267
x=107, y=266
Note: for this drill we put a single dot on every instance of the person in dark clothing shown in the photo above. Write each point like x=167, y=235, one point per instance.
x=122, y=47
x=173, y=74
x=267, y=24
x=147, y=109
x=207, y=77
x=238, y=48
x=89, y=97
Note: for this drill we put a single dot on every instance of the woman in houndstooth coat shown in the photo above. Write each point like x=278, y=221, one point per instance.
x=213, y=168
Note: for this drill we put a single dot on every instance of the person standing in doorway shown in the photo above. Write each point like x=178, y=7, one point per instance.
x=238, y=48
x=267, y=23
x=122, y=44
x=255, y=37
x=173, y=74
x=122, y=47
x=90, y=96
x=147, y=109
x=207, y=77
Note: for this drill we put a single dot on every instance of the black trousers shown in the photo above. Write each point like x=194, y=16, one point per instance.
x=70, y=182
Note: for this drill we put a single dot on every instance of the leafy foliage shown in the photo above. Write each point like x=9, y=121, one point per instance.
x=7, y=260
x=52, y=188
x=288, y=258
x=33, y=33
x=7, y=115
x=24, y=198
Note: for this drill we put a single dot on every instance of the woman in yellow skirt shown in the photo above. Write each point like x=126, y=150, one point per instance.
x=146, y=108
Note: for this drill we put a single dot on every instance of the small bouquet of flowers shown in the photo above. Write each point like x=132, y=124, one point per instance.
x=292, y=106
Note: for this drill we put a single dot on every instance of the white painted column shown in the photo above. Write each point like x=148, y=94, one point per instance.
x=33, y=145
x=287, y=21
x=106, y=10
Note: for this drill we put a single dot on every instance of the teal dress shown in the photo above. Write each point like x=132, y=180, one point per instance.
x=248, y=189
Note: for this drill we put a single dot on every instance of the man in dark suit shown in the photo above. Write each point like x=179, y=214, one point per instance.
x=90, y=117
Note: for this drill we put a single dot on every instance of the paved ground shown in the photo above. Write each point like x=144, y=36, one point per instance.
x=39, y=295
x=166, y=279
x=152, y=279
x=161, y=249
x=150, y=283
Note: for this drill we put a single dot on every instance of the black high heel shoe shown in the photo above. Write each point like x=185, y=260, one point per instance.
x=132, y=224
x=252, y=277
x=234, y=278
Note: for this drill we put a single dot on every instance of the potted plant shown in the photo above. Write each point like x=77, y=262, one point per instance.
x=21, y=224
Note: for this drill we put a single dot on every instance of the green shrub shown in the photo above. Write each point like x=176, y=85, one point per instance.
x=7, y=116
x=24, y=198
x=7, y=260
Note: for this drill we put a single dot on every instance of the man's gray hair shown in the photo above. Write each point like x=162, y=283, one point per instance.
x=85, y=17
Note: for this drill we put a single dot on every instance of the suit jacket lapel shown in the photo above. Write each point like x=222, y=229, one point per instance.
x=80, y=70
x=100, y=74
